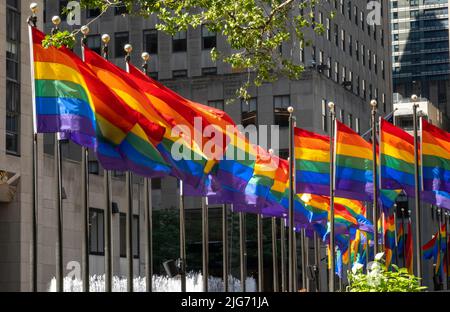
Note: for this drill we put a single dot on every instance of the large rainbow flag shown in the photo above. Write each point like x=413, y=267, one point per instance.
x=312, y=162
x=435, y=158
x=70, y=99
x=396, y=158
x=353, y=165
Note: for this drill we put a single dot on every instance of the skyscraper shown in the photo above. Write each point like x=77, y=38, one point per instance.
x=420, y=50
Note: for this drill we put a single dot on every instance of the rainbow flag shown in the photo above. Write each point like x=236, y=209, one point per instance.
x=312, y=162
x=353, y=165
x=70, y=99
x=409, y=249
x=389, y=238
x=441, y=267
x=435, y=158
x=396, y=158
x=191, y=162
x=430, y=249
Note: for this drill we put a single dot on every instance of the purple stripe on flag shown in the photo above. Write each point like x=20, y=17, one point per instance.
x=65, y=123
x=311, y=188
x=436, y=185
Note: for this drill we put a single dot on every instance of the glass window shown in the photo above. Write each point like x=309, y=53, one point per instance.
x=216, y=104
x=181, y=73
x=90, y=13
x=120, y=9
x=249, y=112
x=207, y=71
x=123, y=235
x=350, y=120
x=358, y=126
x=96, y=232
x=179, y=42
x=136, y=237
x=120, y=40
x=324, y=115
x=151, y=41
x=281, y=115
x=94, y=42
x=209, y=38
x=93, y=167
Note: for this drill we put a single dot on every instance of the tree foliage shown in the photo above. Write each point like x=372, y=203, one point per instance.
x=253, y=29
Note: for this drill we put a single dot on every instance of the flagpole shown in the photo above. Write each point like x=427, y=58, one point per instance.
x=56, y=20
x=317, y=260
x=284, y=287
x=331, y=214
x=419, y=252
x=304, y=255
x=225, y=246
x=275, y=255
x=446, y=249
x=295, y=276
x=291, y=246
x=404, y=237
x=205, y=243
x=242, y=251
x=129, y=195
x=259, y=222
x=375, y=213
x=108, y=209
x=148, y=211
x=395, y=234
x=182, y=240
x=32, y=21
x=85, y=193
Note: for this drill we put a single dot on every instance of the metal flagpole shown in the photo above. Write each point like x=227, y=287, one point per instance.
x=295, y=275
x=331, y=214
x=59, y=217
x=404, y=237
x=304, y=247
x=242, y=251
x=284, y=287
x=275, y=255
x=375, y=214
x=148, y=211
x=129, y=195
x=32, y=21
x=419, y=252
x=259, y=221
x=225, y=246
x=108, y=209
x=317, y=260
x=85, y=194
x=291, y=201
x=182, y=240
x=205, y=243
x=395, y=233
x=56, y=20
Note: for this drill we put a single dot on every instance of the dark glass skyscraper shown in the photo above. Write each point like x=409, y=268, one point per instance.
x=420, y=43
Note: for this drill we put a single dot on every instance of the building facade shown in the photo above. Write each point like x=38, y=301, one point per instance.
x=420, y=50
x=349, y=65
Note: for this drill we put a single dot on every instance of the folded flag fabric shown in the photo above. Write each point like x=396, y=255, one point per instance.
x=70, y=99
x=396, y=158
x=353, y=165
x=435, y=157
x=312, y=162
x=400, y=240
x=430, y=249
x=389, y=238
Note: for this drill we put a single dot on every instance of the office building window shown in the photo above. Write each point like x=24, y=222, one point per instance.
x=363, y=55
x=281, y=115
x=12, y=78
x=329, y=67
x=123, y=235
x=357, y=50
x=357, y=126
x=364, y=92
x=343, y=40
x=181, y=73
x=208, y=71
x=383, y=72
x=324, y=115
x=120, y=9
x=342, y=115
x=369, y=59
x=350, y=120
x=350, y=45
x=375, y=61
x=283, y=153
x=336, y=35
x=349, y=10
x=151, y=41
x=93, y=167
x=336, y=71
x=358, y=86
x=328, y=29
x=96, y=232
x=361, y=14
x=216, y=104
x=209, y=38
x=91, y=13
x=62, y=9
x=355, y=14
x=383, y=101
x=120, y=40
x=156, y=183
x=179, y=42
x=249, y=112
x=94, y=42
